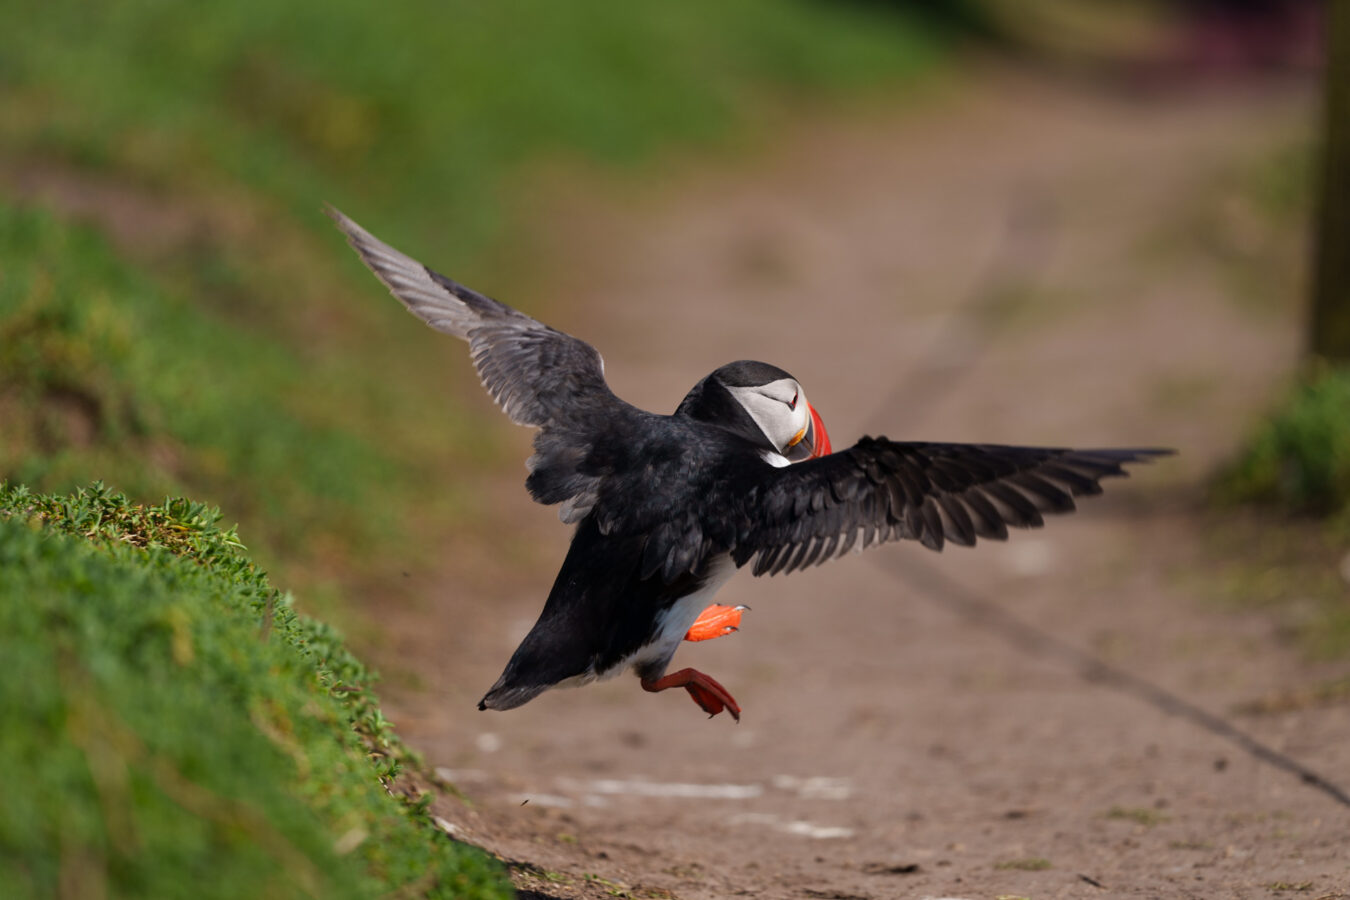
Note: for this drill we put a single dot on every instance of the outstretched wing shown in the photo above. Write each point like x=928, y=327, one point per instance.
x=539, y=376
x=881, y=490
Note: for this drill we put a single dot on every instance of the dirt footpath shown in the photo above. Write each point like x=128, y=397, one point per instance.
x=1015, y=264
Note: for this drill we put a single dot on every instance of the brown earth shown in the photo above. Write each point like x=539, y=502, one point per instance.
x=1015, y=263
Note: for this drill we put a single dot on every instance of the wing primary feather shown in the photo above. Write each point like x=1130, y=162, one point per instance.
x=1079, y=484
x=898, y=497
x=1056, y=498
x=767, y=557
x=913, y=520
x=829, y=550
x=850, y=538
x=933, y=537
x=813, y=555
x=991, y=524
x=1021, y=511
x=956, y=521
x=783, y=559
x=794, y=559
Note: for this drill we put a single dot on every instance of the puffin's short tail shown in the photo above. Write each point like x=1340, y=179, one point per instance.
x=509, y=696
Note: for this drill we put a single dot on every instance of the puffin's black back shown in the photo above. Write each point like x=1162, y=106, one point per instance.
x=599, y=611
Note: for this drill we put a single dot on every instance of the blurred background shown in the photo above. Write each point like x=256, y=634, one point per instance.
x=177, y=317
x=1083, y=222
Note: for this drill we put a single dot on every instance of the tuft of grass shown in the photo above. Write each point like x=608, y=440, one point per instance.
x=1323, y=693
x=1293, y=573
x=176, y=729
x=1296, y=467
x=1298, y=460
x=1141, y=815
x=1029, y=864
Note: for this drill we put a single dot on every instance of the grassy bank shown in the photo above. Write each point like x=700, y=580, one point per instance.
x=104, y=371
x=172, y=728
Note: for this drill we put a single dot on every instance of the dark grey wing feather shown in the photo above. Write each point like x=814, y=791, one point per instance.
x=881, y=490
x=539, y=376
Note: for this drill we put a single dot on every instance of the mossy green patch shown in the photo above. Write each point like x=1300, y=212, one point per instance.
x=1298, y=459
x=1029, y=864
x=174, y=729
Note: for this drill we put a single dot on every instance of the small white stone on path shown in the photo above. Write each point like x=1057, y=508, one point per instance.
x=795, y=826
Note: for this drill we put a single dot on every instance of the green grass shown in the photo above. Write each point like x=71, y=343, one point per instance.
x=1286, y=567
x=1289, y=483
x=422, y=107
x=1029, y=864
x=1141, y=815
x=1298, y=459
x=103, y=372
x=172, y=728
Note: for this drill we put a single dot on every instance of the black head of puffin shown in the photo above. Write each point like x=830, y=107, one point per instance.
x=771, y=408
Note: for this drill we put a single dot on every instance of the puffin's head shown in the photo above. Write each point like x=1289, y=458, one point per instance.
x=762, y=403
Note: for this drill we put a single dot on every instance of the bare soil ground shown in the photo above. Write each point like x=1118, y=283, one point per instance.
x=1016, y=263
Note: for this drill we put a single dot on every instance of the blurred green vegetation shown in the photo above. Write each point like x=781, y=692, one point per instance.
x=1249, y=220
x=1284, y=496
x=1298, y=459
x=172, y=728
x=103, y=371
x=1287, y=552
x=420, y=108
x=217, y=338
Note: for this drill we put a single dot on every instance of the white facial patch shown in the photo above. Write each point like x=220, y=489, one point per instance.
x=779, y=408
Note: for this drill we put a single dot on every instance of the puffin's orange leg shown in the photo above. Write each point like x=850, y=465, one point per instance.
x=711, y=697
x=714, y=622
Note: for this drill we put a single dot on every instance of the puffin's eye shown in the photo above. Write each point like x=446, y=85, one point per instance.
x=792, y=404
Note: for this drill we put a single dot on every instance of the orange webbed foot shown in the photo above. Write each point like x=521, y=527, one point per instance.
x=714, y=622
x=710, y=696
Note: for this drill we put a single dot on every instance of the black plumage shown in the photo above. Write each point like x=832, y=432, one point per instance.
x=666, y=507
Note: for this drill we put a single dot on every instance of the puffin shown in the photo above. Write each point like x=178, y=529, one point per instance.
x=667, y=508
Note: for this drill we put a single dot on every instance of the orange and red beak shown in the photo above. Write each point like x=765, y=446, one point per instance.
x=813, y=442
